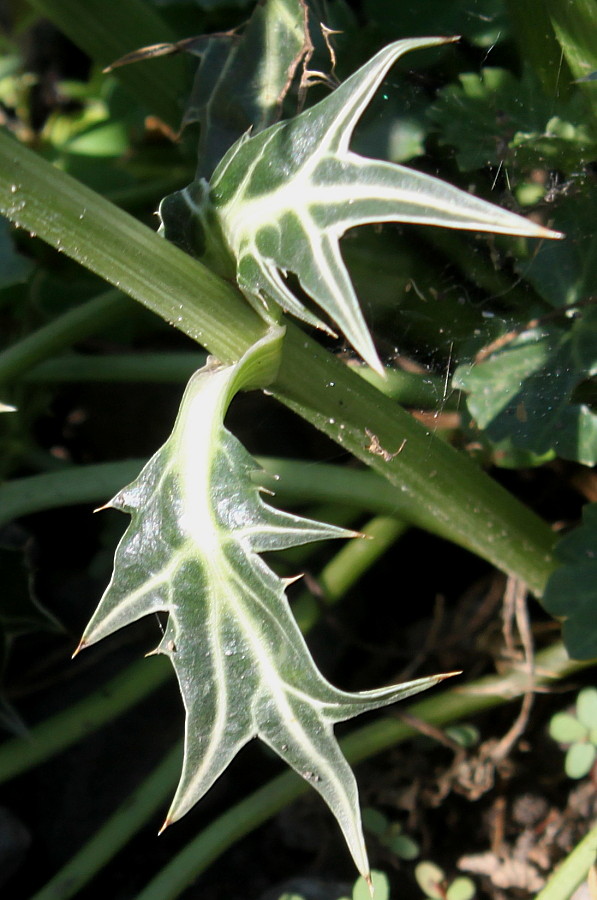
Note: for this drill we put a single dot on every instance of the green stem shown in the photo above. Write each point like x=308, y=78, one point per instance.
x=291, y=481
x=440, y=709
x=415, y=391
x=62, y=332
x=571, y=873
x=166, y=368
x=441, y=484
x=347, y=566
x=116, y=832
x=108, y=241
x=83, y=718
x=437, y=482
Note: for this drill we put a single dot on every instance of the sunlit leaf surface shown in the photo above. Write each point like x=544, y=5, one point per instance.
x=192, y=550
x=280, y=200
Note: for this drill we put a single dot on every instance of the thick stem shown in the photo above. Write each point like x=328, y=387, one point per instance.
x=445, y=486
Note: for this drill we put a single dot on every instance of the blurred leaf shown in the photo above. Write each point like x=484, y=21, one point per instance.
x=495, y=118
x=575, y=26
x=586, y=707
x=462, y=888
x=566, y=729
x=374, y=820
x=565, y=273
x=523, y=392
x=571, y=591
x=430, y=879
x=403, y=846
x=378, y=890
x=579, y=760
x=108, y=30
x=482, y=22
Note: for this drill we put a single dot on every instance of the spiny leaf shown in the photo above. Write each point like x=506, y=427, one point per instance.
x=192, y=550
x=281, y=200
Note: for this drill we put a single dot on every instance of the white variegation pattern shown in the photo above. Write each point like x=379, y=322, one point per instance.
x=281, y=199
x=192, y=550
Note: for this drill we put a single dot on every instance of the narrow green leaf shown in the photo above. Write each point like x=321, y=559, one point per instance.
x=198, y=525
x=281, y=200
x=572, y=871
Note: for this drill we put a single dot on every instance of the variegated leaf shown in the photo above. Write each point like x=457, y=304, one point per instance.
x=280, y=201
x=192, y=550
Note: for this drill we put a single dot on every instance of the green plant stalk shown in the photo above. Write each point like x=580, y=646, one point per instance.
x=156, y=368
x=437, y=482
x=441, y=484
x=62, y=332
x=414, y=391
x=337, y=577
x=116, y=832
x=407, y=388
x=439, y=709
x=347, y=566
x=83, y=718
x=79, y=222
x=107, y=29
x=293, y=482
x=572, y=871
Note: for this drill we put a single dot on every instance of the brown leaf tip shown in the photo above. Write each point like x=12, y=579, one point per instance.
x=81, y=646
x=164, y=826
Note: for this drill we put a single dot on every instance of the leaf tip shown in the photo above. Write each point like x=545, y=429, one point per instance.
x=80, y=646
x=167, y=822
x=443, y=675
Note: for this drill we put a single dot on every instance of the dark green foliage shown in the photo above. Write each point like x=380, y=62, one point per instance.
x=571, y=592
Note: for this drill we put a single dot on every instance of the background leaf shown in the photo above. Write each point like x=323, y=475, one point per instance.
x=524, y=392
x=571, y=592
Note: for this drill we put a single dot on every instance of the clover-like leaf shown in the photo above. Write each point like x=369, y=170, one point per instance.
x=192, y=550
x=280, y=201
